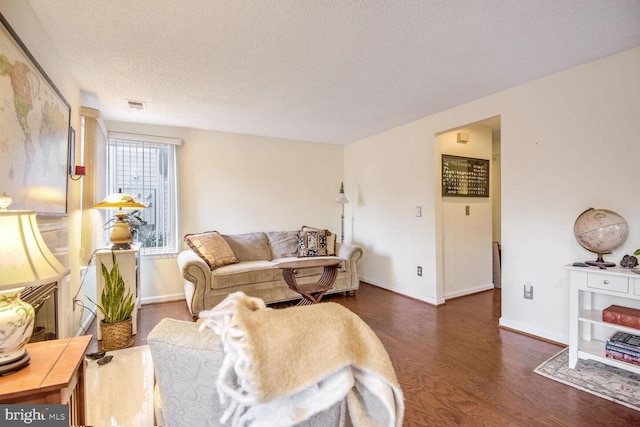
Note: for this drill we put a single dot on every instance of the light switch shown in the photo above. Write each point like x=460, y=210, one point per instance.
x=418, y=210
x=467, y=210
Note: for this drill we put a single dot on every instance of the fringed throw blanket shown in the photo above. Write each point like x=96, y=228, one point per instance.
x=281, y=367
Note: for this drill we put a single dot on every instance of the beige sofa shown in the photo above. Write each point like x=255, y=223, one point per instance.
x=255, y=273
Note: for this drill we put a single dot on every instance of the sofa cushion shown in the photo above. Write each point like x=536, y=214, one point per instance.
x=245, y=273
x=283, y=243
x=211, y=247
x=249, y=246
x=331, y=239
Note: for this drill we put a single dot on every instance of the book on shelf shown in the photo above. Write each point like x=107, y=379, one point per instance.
x=620, y=315
x=625, y=340
x=610, y=346
x=623, y=357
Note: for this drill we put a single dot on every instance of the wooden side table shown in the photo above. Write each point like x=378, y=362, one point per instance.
x=54, y=376
x=311, y=293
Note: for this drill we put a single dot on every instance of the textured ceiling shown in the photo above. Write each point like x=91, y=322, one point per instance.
x=330, y=71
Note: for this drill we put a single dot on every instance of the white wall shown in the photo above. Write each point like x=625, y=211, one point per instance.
x=239, y=184
x=569, y=141
x=25, y=23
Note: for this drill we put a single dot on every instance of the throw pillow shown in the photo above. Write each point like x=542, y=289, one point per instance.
x=211, y=247
x=331, y=239
x=312, y=243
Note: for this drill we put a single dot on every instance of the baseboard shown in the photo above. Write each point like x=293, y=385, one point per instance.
x=419, y=297
x=471, y=291
x=162, y=298
x=532, y=332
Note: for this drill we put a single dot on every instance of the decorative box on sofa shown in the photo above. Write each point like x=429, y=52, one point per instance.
x=254, y=272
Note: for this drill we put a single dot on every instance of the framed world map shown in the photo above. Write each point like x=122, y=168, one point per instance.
x=34, y=131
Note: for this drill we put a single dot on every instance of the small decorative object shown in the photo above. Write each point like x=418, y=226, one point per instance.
x=95, y=356
x=600, y=231
x=628, y=261
x=5, y=201
x=116, y=307
x=104, y=360
x=121, y=237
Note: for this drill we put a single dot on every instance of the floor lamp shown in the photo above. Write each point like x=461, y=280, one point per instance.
x=26, y=261
x=342, y=199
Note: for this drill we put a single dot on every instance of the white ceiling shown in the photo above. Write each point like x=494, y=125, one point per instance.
x=330, y=71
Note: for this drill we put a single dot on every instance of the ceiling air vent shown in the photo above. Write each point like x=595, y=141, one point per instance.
x=137, y=105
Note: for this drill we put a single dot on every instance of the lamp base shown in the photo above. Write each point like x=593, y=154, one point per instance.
x=121, y=234
x=16, y=327
x=14, y=366
x=120, y=246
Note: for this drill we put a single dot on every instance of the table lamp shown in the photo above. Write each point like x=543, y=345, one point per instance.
x=121, y=233
x=342, y=199
x=26, y=261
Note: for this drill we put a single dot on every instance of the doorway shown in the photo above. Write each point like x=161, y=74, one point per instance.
x=470, y=258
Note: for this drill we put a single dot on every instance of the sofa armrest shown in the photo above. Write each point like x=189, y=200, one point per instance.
x=352, y=254
x=186, y=363
x=197, y=275
x=349, y=252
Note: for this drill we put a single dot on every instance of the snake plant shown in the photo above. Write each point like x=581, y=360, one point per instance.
x=114, y=305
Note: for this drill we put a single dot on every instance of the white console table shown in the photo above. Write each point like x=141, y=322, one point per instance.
x=593, y=289
x=129, y=264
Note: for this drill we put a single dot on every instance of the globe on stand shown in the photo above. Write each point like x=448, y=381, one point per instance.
x=600, y=231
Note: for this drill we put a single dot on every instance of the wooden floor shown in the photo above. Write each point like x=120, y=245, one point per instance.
x=456, y=366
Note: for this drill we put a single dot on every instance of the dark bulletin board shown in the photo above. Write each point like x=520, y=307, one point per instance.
x=464, y=177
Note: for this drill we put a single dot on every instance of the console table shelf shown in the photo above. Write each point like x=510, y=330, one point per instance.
x=587, y=284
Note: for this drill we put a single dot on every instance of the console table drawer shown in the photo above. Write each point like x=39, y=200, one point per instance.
x=608, y=282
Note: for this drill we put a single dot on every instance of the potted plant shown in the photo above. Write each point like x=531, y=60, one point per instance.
x=116, y=307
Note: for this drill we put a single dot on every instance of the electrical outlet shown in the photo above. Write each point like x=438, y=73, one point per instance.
x=419, y=271
x=528, y=290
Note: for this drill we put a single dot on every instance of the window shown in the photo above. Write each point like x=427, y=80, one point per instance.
x=145, y=167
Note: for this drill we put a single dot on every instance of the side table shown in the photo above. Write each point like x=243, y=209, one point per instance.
x=311, y=293
x=55, y=375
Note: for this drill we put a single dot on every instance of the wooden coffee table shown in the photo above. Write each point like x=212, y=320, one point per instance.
x=311, y=293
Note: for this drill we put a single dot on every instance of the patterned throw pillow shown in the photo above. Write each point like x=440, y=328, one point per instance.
x=211, y=247
x=331, y=239
x=312, y=243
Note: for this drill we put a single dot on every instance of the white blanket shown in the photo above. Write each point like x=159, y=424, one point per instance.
x=281, y=367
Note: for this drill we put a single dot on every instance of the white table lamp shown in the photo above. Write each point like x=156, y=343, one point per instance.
x=25, y=261
x=121, y=233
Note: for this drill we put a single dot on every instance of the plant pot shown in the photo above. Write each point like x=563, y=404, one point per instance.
x=116, y=335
